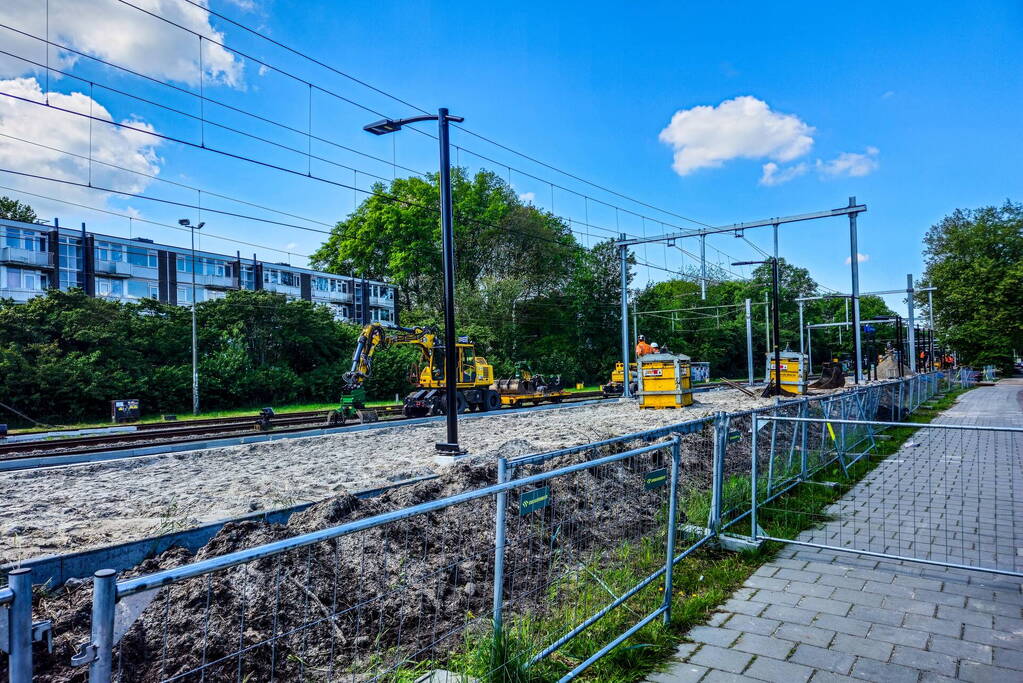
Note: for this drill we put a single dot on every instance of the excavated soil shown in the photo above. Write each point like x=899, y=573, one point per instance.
x=68, y=509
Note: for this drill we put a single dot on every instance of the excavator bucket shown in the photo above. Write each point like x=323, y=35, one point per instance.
x=772, y=390
x=832, y=377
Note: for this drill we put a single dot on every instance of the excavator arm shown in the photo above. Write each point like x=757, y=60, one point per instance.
x=375, y=336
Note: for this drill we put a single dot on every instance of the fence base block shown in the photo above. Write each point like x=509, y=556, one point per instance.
x=738, y=544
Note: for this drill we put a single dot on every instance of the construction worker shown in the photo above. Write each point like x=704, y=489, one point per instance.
x=655, y=347
x=642, y=348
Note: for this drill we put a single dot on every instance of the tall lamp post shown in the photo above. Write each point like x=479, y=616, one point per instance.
x=775, y=389
x=195, y=344
x=383, y=127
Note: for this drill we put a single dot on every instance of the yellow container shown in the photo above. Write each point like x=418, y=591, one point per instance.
x=793, y=371
x=665, y=381
x=580, y=385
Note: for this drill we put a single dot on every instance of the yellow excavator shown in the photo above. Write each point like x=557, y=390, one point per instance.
x=473, y=382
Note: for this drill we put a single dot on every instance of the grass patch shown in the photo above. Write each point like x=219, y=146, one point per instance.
x=701, y=583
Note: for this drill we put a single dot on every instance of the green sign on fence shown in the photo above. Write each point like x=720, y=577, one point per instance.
x=534, y=500
x=655, y=479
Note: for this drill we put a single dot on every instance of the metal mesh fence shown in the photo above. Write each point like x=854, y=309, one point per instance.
x=949, y=495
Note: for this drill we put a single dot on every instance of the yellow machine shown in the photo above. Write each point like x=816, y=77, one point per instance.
x=473, y=382
x=616, y=387
x=793, y=371
x=665, y=381
x=530, y=388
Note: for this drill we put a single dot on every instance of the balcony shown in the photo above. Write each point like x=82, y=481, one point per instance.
x=381, y=302
x=25, y=257
x=211, y=281
x=283, y=289
x=339, y=297
x=19, y=295
x=113, y=269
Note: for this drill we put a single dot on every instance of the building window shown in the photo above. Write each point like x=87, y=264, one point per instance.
x=109, y=287
x=70, y=262
x=248, y=278
x=23, y=238
x=185, y=295
x=108, y=251
x=182, y=264
x=142, y=289
x=146, y=258
x=23, y=278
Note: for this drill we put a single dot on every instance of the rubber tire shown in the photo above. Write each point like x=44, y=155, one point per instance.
x=491, y=401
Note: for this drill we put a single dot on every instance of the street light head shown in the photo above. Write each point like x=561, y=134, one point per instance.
x=383, y=127
x=201, y=223
x=750, y=263
x=185, y=222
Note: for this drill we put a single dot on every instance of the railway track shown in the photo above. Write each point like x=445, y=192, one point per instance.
x=193, y=430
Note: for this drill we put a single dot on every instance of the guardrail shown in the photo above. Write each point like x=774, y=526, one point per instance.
x=400, y=591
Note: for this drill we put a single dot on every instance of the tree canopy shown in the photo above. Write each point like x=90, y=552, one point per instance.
x=975, y=260
x=13, y=210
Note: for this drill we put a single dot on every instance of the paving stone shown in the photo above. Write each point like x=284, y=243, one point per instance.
x=680, y=673
x=836, y=607
x=839, y=581
x=814, y=589
x=990, y=636
x=797, y=575
x=767, y=646
x=832, y=677
x=743, y=622
x=962, y=649
x=805, y=634
x=714, y=657
x=917, y=582
x=722, y=637
x=888, y=589
x=1008, y=623
x=931, y=677
x=898, y=636
x=776, y=597
x=862, y=647
x=993, y=607
x=877, y=615
x=855, y=627
x=858, y=597
x=749, y=607
x=965, y=616
x=985, y=673
x=943, y=627
x=767, y=669
x=941, y=597
x=719, y=618
x=725, y=677
x=683, y=651
x=793, y=615
x=873, y=670
x=912, y=606
x=821, y=658
x=1009, y=659
x=766, y=583
x=923, y=660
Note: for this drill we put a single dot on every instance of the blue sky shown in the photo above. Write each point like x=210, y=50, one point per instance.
x=912, y=108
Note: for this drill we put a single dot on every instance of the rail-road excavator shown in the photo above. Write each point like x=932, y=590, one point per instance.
x=429, y=397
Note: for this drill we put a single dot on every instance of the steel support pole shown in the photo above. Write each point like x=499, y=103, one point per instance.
x=104, y=601
x=448, y=250
x=775, y=226
x=854, y=267
x=195, y=337
x=703, y=267
x=623, y=253
x=753, y=478
x=767, y=326
x=911, y=329
x=776, y=324
x=802, y=347
x=669, y=563
x=930, y=316
x=749, y=342
x=809, y=352
x=500, y=535
x=19, y=626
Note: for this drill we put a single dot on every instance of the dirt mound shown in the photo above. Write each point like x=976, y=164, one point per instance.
x=366, y=601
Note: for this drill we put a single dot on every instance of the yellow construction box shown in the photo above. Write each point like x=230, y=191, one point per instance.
x=664, y=381
x=793, y=371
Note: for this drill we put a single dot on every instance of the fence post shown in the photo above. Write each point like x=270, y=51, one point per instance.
x=500, y=531
x=753, y=482
x=676, y=457
x=19, y=626
x=104, y=600
x=718, y=471
x=804, y=411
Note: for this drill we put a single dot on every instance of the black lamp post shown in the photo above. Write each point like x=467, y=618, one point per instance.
x=448, y=247
x=775, y=322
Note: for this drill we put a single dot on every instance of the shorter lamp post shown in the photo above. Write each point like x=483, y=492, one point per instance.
x=775, y=389
x=195, y=345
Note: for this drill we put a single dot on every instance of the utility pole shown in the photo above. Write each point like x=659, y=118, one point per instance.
x=703, y=267
x=854, y=267
x=930, y=315
x=195, y=335
x=802, y=349
x=911, y=327
x=775, y=322
x=623, y=253
x=749, y=342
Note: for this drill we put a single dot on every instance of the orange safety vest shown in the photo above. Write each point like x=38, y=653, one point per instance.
x=643, y=349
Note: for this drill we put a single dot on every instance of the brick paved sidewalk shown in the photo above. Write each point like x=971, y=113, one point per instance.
x=816, y=615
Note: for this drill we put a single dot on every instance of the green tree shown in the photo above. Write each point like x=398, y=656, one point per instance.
x=13, y=210
x=975, y=260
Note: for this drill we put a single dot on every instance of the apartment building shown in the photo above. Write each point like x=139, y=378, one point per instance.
x=34, y=258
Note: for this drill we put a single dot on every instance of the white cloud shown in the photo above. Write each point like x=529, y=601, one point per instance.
x=743, y=127
x=122, y=35
x=888, y=94
x=130, y=149
x=290, y=245
x=860, y=258
x=527, y=197
x=850, y=164
x=244, y=5
x=775, y=175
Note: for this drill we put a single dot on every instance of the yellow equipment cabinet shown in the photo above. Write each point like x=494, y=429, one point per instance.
x=793, y=371
x=665, y=381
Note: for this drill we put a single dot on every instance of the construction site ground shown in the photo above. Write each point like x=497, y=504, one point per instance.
x=68, y=509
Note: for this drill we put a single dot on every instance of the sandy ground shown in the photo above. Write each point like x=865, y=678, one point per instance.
x=78, y=507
